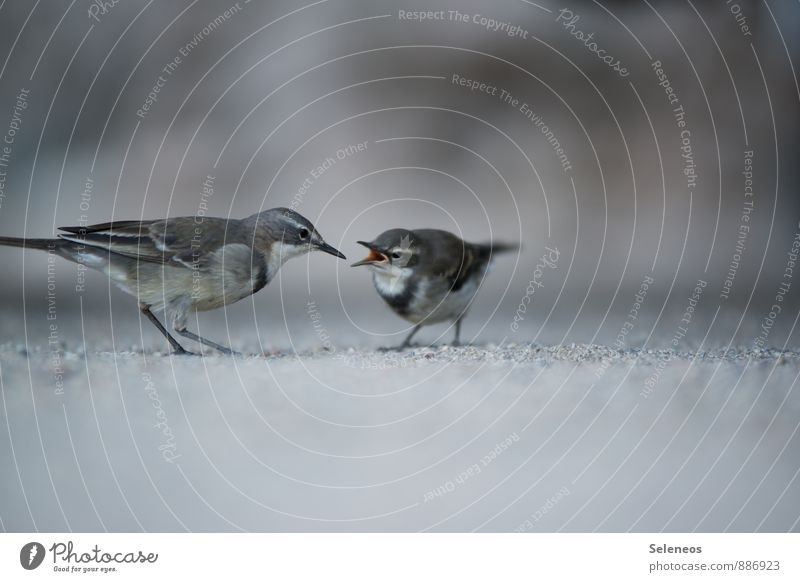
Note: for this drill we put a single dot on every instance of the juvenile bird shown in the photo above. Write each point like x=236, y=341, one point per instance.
x=186, y=264
x=428, y=276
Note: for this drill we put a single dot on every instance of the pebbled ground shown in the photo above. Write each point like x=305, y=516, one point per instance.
x=487, y=437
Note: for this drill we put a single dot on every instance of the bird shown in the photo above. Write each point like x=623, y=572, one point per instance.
x=428, y=276
x=187, y=264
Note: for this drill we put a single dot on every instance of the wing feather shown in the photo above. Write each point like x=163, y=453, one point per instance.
x=453, y=259
x=179, y=242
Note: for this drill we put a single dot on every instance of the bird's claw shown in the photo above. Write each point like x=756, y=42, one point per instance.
x=387, y=349
x=182, y=352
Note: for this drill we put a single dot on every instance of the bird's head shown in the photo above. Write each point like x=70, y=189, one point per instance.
x=391, y=252
x=291, y=234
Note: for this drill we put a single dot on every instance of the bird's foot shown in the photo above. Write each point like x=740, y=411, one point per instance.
x=387, y=349
x=179, y=351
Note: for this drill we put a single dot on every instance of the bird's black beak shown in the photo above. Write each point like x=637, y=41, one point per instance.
x=326, y=248
x=375, y=256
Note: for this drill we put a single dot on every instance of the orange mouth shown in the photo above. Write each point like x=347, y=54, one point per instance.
x=373, y=258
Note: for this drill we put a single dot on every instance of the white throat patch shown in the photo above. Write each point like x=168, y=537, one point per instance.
x=391, y=281
x=282, y=252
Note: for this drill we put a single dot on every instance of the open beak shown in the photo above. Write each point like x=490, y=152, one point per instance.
x=326, y=248
x=373, y=258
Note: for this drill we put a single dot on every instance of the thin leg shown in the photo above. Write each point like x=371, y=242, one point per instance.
x=176, y=347
x=457, y=340
x=208, y=343
x=407, y=341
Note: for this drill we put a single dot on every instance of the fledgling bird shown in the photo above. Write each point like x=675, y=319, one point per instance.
x=186, y=264
x=428, y=276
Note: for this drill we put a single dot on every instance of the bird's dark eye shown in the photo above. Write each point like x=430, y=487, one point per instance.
x=303, y=233
x=395, y=255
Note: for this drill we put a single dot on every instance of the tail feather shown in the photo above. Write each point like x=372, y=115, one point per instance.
x=498, y=247
x=42, y=244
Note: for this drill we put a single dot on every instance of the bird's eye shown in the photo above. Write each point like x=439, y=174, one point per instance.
x=395, y=255
x=303, y=233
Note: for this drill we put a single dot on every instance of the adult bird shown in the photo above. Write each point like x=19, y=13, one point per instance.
x=187, y=264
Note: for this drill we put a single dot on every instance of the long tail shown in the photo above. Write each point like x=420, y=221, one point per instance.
x=42, y=244
x=67, y=249
x=499, y=247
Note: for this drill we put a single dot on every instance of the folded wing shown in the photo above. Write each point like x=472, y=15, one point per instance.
x=183, y=241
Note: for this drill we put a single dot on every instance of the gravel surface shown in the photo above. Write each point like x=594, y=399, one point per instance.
x=510, y=437
x=489, y=353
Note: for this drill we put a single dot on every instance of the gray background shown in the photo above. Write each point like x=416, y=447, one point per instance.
x=310, y=441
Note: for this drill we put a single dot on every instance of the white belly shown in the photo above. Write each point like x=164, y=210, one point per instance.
x=432, y=300
x=431, y=307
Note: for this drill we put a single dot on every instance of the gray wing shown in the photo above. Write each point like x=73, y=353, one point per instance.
x=176, y=242
x=452, y=259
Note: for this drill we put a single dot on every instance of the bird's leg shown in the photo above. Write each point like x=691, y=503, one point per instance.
x=407, y=341
x=176, y=347
x=179, y=320
x=203, y=341
x=457, y=339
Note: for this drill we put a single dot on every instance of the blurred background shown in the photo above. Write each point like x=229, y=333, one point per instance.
x=640, y=140
x=267, y=92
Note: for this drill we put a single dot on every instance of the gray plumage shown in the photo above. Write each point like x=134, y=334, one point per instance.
x=186, y=264
x=428, y=276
